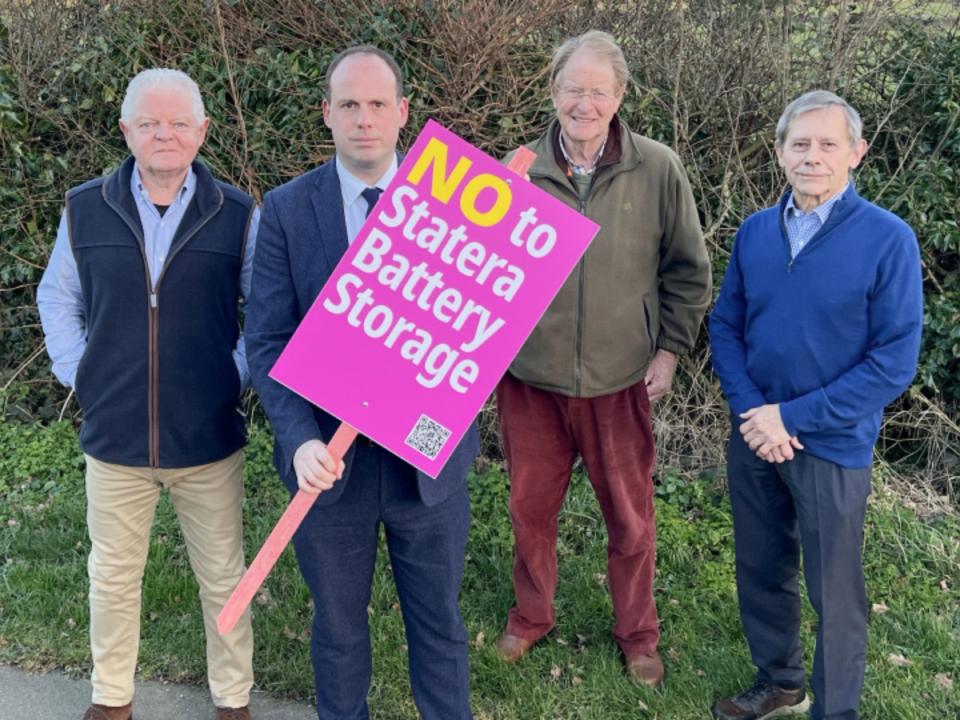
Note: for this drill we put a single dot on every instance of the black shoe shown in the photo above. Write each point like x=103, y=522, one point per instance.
x=763, y=700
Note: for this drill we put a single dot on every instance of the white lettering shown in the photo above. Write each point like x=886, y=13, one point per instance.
x=369, y=256
x=404, y=192
x=345, y=281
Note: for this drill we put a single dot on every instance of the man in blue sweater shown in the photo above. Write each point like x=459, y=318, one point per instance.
x=816, y=330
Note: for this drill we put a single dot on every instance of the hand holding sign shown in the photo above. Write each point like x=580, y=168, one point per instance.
x=316, y=468
x=297, y=509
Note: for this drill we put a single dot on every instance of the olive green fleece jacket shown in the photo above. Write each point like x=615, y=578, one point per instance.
x=644, y=283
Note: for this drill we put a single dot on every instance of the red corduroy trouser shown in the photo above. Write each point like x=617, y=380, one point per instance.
x=542, y=434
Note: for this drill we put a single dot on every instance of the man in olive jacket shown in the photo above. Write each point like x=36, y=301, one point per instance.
x=606, y=347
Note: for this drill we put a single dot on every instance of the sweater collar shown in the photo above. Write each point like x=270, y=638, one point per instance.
x=845, y=204
x=117, y=188
x=822, y=210
x=621, y=150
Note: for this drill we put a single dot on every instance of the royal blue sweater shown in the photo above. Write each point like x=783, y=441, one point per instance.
x=832, y=335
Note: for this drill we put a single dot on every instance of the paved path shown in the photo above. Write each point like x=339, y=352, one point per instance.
x=54, y=696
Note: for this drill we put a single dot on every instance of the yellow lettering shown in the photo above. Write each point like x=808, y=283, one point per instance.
x=442, y=186
x=468, y=201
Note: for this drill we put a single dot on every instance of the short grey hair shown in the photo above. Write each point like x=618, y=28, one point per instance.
x=819, y=100
x=160, y=78
x=600, y=44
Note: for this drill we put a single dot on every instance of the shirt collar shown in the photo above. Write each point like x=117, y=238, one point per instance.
x=822, y=211
x=183, y=194
x=583, y=169
x=351, y=186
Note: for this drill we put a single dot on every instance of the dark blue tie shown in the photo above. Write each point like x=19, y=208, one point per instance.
x=371, y=195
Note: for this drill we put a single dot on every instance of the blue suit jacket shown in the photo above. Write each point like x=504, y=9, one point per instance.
x=301, y=239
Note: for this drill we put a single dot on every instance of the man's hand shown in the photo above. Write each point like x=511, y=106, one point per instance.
x=782, y=453
x=659, y=376
x=765, y=434
x=315, y=467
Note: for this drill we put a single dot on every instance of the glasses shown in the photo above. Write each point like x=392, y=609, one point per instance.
x=575, y=94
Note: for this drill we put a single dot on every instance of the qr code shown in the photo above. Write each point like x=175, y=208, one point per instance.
x=428, y=437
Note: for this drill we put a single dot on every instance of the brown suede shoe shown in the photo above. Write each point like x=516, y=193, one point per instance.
x=511, y=648
x=646, y=669
x=242, y=713
x=105, y=712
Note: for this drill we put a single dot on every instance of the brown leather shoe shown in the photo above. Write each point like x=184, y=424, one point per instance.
x=242, y=713
x=511, y=648
x=647, y=669
x=105, y=712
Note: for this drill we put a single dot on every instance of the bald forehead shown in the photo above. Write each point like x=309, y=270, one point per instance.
x=362, y=66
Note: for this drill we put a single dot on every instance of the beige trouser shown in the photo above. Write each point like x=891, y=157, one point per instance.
x=121, y=502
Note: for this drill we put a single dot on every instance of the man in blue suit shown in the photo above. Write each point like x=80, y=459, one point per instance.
x=305, y=229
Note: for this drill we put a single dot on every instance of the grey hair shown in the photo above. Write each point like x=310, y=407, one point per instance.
x=819, y=100
x=600, y=44
x=160, y=78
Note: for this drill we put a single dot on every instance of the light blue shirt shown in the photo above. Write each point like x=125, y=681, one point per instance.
x=60, y=298
x=801, y=226
x=158, y=230
x=354, y=205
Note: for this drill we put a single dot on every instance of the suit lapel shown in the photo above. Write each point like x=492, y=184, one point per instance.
x=327, y=204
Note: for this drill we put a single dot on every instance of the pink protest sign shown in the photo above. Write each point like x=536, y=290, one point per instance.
x=433, y=299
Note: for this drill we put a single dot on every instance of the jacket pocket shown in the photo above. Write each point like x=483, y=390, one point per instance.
x=78, y=380
x=649, y=318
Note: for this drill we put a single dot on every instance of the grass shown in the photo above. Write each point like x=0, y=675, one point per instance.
x=913, y=570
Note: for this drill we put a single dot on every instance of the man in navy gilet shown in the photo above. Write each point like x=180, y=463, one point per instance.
x=139, y=306
x=816, y=330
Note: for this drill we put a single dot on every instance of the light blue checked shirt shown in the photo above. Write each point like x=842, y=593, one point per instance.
x=801, y=226
x=60, y=299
